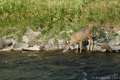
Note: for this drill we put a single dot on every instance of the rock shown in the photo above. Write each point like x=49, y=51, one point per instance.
x=115, y=41
x=20, y=46
x=5, y=43
x=51, y=42
x=115, y=48
x=7, y=49
x=2, y=43
x=105, y=46
x=25, y=39
x=47, y=47
x=30, y=37
x=69, y=47
x=51, y=45
x=34, y=48
x=65, y=50
x=118, y=32
x=61, y=44
x=42, y=45
x=98, y=48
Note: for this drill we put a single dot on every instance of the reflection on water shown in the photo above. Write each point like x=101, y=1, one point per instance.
x=60, y=67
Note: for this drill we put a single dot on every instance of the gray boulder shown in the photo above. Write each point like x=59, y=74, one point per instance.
x=20, y=46
x=31, y=37
x=4, y=43
x=61, y=44
x=105, y=46
x=34, y=48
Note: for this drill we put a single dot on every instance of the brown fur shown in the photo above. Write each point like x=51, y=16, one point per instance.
x=82, y=35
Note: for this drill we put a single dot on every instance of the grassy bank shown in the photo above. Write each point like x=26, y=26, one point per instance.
x=55, y=17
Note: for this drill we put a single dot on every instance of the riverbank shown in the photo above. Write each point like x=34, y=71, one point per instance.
x=54, y=52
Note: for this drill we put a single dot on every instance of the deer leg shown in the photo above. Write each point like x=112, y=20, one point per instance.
x=77, y=48
x=92, y=45
x=80, y=46
x=89, y=45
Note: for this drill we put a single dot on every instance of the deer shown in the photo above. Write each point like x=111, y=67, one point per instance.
x=85, y=34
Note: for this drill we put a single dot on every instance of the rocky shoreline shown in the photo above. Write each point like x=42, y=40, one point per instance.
x=30, y=42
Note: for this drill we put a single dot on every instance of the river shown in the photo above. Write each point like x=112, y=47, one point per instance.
x=58, y=66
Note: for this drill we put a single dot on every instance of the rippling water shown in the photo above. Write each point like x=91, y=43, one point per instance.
x=59, y=67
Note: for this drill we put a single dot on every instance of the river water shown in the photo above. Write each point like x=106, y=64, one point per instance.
x=58, y=66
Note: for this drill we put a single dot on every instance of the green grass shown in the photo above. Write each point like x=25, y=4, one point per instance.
x=56, y=17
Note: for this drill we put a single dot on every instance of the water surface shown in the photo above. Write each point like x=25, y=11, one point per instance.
x=58, y=66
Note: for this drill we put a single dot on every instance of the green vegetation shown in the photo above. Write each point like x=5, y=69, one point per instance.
x=55, y=17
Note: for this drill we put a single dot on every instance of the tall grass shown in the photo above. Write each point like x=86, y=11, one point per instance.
x=57, y=18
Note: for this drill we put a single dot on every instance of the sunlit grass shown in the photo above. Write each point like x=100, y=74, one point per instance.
x=55, y=16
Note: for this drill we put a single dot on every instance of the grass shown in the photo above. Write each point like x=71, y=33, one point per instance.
x=57, y=18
